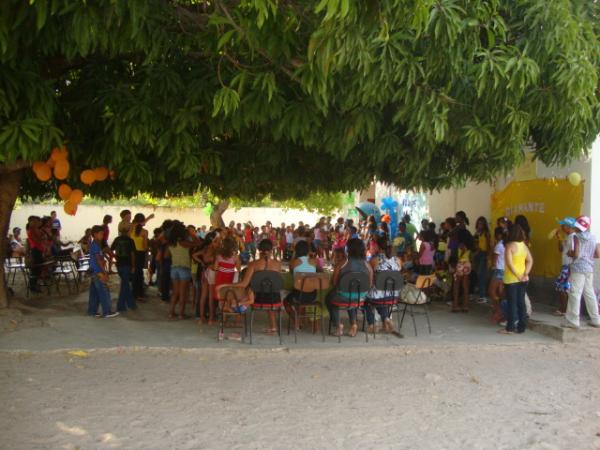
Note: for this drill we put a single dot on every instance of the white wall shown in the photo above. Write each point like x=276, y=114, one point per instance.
x=474, y=199
x=87, y=216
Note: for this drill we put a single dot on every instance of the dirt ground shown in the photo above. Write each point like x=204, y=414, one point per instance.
x=141, y=382
x=535, y=396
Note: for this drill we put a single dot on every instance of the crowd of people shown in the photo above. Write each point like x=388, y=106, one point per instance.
x=190, y=264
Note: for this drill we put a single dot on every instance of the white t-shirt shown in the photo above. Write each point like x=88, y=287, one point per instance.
x=499, y=251
x=568, y=245
x=289, y=237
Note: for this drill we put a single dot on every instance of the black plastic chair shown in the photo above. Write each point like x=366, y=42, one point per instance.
x=227, y=293
x=267, y=286
x=391, y=282
x=297, y=305
x=423, y=284
x=13, y=266
x=356, y=284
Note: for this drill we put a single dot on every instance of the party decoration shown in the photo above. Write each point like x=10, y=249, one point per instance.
x=70, y=208
x=51, y=162
x=61, y=169
x=390, y=205
x=574, y=178
x=366, y=209
x=101, y=173
x=88, y=177
x=42, y=171
x=208, y=209
x=64, y=191
x=59, y=154
x=76, y=196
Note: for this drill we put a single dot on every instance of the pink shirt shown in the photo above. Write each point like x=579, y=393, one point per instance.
x=426, y=258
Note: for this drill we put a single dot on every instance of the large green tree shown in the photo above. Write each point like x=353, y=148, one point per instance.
x=284, y=97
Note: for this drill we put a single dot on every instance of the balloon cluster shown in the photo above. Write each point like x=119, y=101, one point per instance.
x=58, y=164
x=389, y=205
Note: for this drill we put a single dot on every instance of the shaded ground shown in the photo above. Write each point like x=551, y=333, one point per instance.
x=462, y=387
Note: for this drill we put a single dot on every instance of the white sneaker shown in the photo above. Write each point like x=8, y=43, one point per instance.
x=502, y=323
x=112, y=314
x=482, y=300
x=567, y=324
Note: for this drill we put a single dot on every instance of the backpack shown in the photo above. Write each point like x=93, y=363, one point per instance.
x=123, y=248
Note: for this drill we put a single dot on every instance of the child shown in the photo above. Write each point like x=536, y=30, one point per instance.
x=225, y=265
x=123, y=248
x=99, y=292
x=562, y=284
x=496, y=287
x=426, y=251
x=463, y=270
x=154, y=245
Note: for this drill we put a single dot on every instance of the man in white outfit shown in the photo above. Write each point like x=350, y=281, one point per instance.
x=582, y=276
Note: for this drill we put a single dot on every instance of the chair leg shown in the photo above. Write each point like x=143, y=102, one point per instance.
x=427, y=317
x=403, y=314
x=323, y=325
x=412, y=315
x=295, y=311
x=364, y=320
x=251, y=323
x=397, y=316
x=279, y=328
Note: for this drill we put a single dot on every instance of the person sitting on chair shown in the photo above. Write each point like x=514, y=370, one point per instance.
x=302, y=263
x=265, y=261
x=382, y=261
x=356, y=263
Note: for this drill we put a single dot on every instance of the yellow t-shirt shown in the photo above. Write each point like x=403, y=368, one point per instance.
x=518, y=260
x=483, y=243
x=464, y=255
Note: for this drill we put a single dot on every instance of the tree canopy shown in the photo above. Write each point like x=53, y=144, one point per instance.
x=283, y=97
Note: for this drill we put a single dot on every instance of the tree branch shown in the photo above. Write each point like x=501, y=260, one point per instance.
x=13, y=167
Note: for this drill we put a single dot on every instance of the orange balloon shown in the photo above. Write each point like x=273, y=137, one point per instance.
x=88, y=177
x=101, y=173
x=64, y=191
x=70, y=208
x=61, y=169
x=43, y=172
x=51, y=163
x=76, y=196
x=37, y=165
x=59, y=154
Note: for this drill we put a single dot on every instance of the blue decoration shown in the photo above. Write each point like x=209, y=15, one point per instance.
x=369, y=209
x=390, y=206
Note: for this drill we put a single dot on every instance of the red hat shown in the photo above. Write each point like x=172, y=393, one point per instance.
x=386, y=218
x=583, y=223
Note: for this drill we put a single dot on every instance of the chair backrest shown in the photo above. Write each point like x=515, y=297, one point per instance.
x=353, y=286
x=389, y=281
x=266, y=282
x=425, y=281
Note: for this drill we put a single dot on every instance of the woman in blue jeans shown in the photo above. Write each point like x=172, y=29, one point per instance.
x=518, y=263
x=356, y=263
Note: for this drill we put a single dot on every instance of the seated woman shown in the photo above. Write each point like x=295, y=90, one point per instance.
x=265, y=261
x=303, y=293
x=356, y=263
x=382, y=261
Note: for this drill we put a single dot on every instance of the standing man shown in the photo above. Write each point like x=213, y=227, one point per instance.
x=582, y=275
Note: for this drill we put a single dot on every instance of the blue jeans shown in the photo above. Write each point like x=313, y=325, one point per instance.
x=126, y=299
x=480, y=263
x=383, y=310
x=334, y=311
x=99, y=293
x=515, y=294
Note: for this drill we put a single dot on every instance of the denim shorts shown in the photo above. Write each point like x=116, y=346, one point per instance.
x=498, y=274
x=181, y=273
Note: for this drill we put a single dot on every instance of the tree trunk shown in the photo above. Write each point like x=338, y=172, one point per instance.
x=10, y=183
x=216, y=217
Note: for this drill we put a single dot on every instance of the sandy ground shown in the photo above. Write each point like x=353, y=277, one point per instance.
x=145, y=383
x=535, y=396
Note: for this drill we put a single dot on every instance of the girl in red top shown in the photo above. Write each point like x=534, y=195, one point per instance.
x=226, y=264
